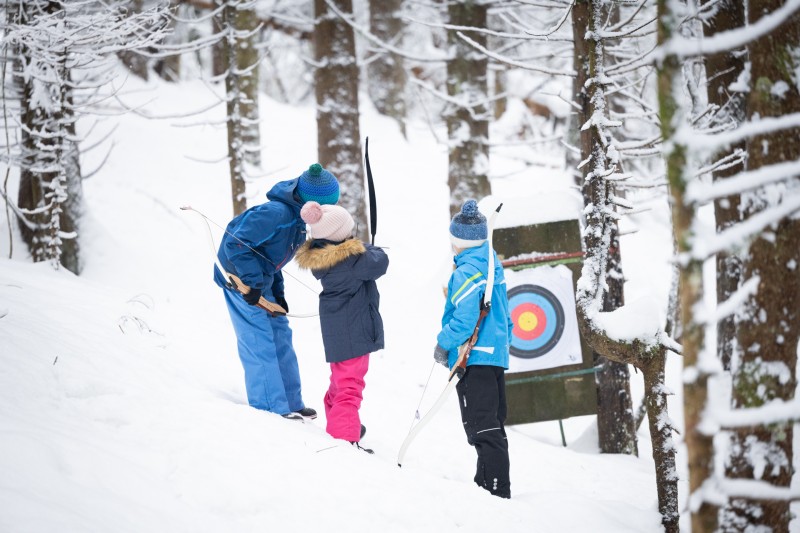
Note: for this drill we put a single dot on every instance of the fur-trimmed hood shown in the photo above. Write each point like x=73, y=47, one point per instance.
x=317, y=255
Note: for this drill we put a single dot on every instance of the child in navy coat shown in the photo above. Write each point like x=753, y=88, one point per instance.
x=348, y=310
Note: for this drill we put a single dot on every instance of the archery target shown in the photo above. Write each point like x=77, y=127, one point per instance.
x=541, y=304
x=538, y=320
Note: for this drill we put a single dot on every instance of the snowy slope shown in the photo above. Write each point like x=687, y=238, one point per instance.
x=122, y=405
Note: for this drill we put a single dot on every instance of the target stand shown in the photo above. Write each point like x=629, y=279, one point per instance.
x=551, y=374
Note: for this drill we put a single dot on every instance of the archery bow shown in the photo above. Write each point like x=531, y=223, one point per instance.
x=235, y=283
x=373, y=208
x=463, y=351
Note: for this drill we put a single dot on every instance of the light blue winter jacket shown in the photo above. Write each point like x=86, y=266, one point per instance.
x=464, y=295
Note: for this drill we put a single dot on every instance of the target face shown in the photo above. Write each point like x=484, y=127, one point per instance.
x=538, y=319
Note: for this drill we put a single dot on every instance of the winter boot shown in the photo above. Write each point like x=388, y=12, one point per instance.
x=293, y=416
x=307, y=412
x=359, y=447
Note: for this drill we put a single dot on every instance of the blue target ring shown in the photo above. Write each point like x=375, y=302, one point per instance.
x=538, y=319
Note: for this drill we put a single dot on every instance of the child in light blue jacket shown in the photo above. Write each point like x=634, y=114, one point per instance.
x=481, y=390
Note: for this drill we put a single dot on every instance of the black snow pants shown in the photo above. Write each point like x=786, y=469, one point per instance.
x=482, y=398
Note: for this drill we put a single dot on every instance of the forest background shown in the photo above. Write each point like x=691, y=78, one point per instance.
x=635, y=105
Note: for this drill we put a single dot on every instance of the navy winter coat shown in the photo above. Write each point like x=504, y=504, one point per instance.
x=274, y=230
x=348, y=305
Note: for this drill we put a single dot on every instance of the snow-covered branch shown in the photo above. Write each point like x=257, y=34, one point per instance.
x=750, y=489
x=744, y=231
x=699, y=141
x=527, y=36
x=700, y=192
x=729, y=40
x=776, y=411
x=512, y=62
x=364, y=32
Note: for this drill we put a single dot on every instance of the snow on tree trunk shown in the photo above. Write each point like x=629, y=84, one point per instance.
x=615, y=420
x=73, y=205
x=386, y=78
x=61, y=54
x=466, y=113
x=768, y=329
x=699, y=445
x=661, y=429
x=43, y=179
x=240, y=25
x=723, y=70
x=578, y=138
x=648, y=354
x=336, y=87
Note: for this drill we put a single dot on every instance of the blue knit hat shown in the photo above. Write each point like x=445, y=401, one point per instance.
x=468, y=228
x=318, y=185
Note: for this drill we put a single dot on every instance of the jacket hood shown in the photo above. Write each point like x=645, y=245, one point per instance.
x=321, y=255
x=283, y=191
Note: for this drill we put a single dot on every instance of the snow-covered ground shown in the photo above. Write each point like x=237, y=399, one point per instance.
x=122, y=404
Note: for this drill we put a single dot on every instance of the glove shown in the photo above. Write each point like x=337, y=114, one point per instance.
x=440, y=355
x=252, y=296
x=280, y=300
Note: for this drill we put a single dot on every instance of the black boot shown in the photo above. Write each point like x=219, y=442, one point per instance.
x=307, y=412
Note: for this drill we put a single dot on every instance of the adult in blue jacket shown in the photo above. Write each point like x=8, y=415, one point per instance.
x=481, y=391
x=255, y=247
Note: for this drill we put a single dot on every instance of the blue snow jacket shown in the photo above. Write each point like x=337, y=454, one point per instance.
x=274, y=231
x=464, y=296
x=348, y=305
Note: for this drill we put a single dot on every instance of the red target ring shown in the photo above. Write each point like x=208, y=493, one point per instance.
x=529, y=321
x=537, y=318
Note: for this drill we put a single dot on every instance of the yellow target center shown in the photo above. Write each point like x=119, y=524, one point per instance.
x=528, y=321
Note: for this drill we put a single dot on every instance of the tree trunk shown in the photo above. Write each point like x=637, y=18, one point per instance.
x=336, y=88
x=769, y=326
x=661, y=438
x=723, y=70
x=615, y=422
x=700, y=451
x=169, y=68
x=578, y=138
x=386, y=78
x=30, y=197
x=219, y=57
x=43, y=181
x=600, y=226
x=239, y=23
x=616, y=427
x=73, y=205
x=136, y=63
x=467, y=115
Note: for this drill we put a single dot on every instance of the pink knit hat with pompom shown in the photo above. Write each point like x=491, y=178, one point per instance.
x=330, y=222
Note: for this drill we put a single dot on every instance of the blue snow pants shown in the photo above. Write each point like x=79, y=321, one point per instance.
x=271, y=374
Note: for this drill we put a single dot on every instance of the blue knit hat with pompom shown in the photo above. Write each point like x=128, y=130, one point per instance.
x=468, y=228
x=318, y=185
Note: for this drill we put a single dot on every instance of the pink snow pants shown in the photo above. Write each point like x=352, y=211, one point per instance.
x=344, y=398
